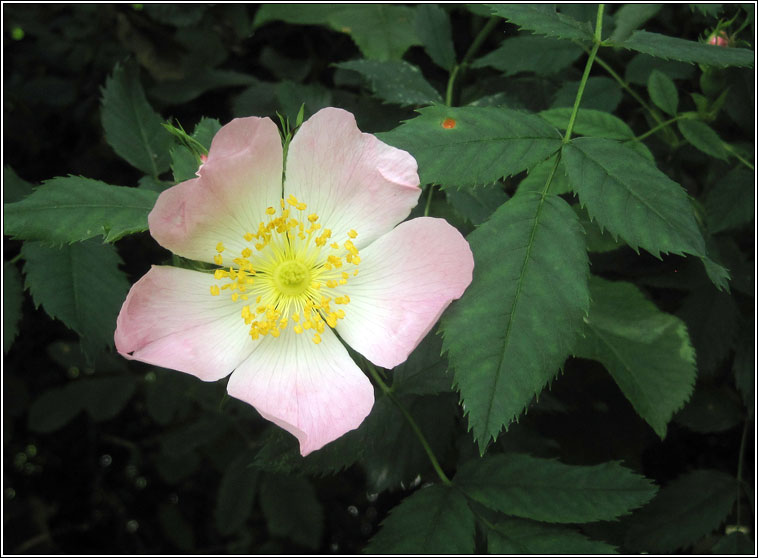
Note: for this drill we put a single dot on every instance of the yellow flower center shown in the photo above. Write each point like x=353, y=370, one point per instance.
x=278, y=278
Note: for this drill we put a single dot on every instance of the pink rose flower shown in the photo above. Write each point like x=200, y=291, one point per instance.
x=300, y=256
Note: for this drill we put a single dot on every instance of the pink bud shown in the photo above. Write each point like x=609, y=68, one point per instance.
x=203, y=158
x=721, y=40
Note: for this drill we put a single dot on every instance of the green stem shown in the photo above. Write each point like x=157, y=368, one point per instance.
x=586, y=75
x=658, y=127
x=427, y=448
x=428, y=200
x=603, y=64
x=739, y=157
x=472, y=50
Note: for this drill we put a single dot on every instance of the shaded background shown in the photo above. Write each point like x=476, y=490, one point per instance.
x=117, y=457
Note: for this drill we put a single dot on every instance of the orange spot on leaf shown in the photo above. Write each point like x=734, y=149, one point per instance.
x=448, y=123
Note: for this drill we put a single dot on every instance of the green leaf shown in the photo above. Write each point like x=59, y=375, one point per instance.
x=132, y=128
x=433, y=520
x=630, y=197
x=15, y=188
x=234, y=502
x=702, y=137
x=477, y=204
x=744, y=369
x=382, y=32
x=600, y=93
x=685, y=510
x=530, y=289
x=535, y=180
x=434, y=30
x=174, y=525
x=291, y=509
x=484, y=145
x=79, y=284
x=543, y=56
x=596, y=239
x=425, y=372
x=205, y=130
x=73, y=208
x=393, y=456
x=631, y=16
x=589, y=123
x=641, y=66
x=547, y=490
x=184, y=163
x=519, y=536
x=177, y=15
x=708, y=10
x=730, y=203
x=395, y=81
x=673, y=48
x=52, y=410
x=543, y=20
x=103, y=398
x=711, y=409
x=648, y=352
x=734, y=543
x=663, y=92
x=176, y=92
x=13, y=298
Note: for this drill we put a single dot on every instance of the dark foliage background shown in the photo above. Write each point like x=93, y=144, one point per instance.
x=110, y=456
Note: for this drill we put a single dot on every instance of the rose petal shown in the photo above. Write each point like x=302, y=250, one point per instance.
x=350, y=179
x=170, y=319
x=315, y=392
x=406, y=280
x=240, y=179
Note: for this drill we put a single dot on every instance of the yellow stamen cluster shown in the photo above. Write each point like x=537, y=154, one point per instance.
x=284, y=269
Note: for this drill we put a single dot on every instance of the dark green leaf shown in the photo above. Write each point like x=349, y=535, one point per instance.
x=85, y=290
x=543, y=20
x=530, y=288
x=175, y=92
x=685, y=510
x=629, y=17
x=433, y=520
x=205, y=130
x=72, y=208
x=395, y=81
x=630, y=197
x=291, y=509
x=175, y=14
x=381, y=32
x=13, y=297
x=519, y=536
x=15, y=188
x=744, y=369
x=734, y=543
x=537, y=177
x=131, y=126
x=184, y=163
x=165, y=394
x=236, y=493
x=597, y=240
x=52, y=410
x=683, y=50
x=730, y=203
x=647, y=351
x=708, y=10
x=484, y=145
x=291, y=97
x=425, y=372
x=640, y=67
x=589, y=123
x=600, y=93
x=663, y=92
x=477, y=204
x=103, y=398
x=547, y=490
x=702, y=136
x=711, y=409
x=434, y=31
x=175, y=526
x=543, y=56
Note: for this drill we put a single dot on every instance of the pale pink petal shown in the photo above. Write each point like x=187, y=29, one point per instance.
x=406, y=280
x=315, y=392
x=240, y=179
x=170, y=319
x=350, y=179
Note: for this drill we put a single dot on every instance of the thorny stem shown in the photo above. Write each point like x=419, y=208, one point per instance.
x=739, y=157
x=472, y=50
x=428, y=199
x=388, y=392
x=593, y=53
